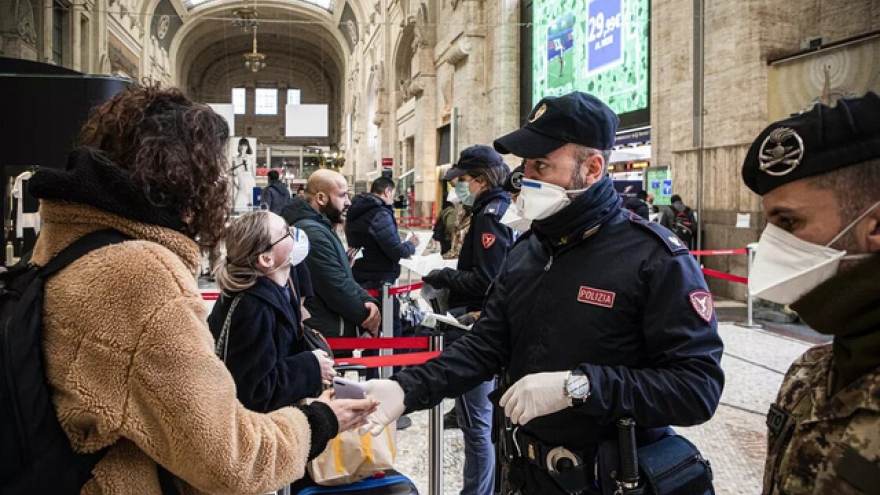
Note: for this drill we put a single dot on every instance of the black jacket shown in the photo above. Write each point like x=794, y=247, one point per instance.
x=275, y=196
x=266, y=353
x=483, y=251
x=641, y=325
x=337, y=307
x=370, y=224
x=637, y=206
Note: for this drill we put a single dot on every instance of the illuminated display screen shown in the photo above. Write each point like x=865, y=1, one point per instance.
x=596, y=46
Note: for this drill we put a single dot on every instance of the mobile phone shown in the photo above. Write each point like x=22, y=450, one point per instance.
x=348, y=389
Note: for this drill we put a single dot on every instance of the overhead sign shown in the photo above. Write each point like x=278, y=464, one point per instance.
x=387, y=162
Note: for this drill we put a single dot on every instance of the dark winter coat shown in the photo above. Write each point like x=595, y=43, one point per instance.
x=275, y=196
x=370, y=225
x=337, y=307
x=642, y=326
x=266, y=352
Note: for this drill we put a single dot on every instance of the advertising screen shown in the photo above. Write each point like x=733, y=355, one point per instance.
x=596, y=46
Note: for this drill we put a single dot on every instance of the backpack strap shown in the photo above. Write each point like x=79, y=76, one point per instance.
x=81, y=247
x=222, y=344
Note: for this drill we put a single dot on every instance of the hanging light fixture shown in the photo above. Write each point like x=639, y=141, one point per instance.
x=246, y=16
x=255, y=60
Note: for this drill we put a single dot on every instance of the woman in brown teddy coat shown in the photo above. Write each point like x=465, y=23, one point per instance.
x=129, y=357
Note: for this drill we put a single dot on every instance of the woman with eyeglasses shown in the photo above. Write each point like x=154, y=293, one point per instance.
x=263, y=280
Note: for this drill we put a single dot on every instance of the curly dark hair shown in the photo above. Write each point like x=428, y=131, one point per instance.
x=173, y=147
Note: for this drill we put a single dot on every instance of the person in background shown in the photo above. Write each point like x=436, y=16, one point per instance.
x=370, y=225
x=681, y=220
x=444, y=226
x=340, y=305
x=275, y=195
x=818, y=175
x=128, y=354
x=479, y=175
x=638, y=204
x=577, y=341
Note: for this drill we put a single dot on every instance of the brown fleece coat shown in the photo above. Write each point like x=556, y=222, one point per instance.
x=131, y=364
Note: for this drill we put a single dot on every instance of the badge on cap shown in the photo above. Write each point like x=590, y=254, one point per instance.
x=540, y=111
x=701, y=301
x=783, y=148
x=488, y=240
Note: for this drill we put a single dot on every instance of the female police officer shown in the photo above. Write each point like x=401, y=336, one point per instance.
x=478, y=176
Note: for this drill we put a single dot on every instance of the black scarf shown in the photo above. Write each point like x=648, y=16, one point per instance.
x=848, y=307
x=595, y=206
x=92, y=179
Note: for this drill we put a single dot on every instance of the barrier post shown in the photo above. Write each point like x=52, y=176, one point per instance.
x=435, y=437
x=387, y=329
x=750, y=321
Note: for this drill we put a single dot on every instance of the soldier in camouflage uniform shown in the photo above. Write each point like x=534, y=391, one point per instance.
x=819, y=175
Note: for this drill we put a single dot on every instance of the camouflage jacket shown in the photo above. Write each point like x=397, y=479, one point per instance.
x=462, y=225
x=820, y=444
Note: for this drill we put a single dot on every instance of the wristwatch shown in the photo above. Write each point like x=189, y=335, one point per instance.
x=577, y=387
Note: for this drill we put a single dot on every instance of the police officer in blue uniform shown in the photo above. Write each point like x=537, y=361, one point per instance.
x=596, y=315
x=478, y=177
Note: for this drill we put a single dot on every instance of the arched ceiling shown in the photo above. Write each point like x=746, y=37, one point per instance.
x=297, y=39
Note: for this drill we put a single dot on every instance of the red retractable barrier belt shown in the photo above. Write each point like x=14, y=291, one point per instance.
x=349, y=343
x=725, y=276
x=401, y=289
x=719, y=252
x=393, y=360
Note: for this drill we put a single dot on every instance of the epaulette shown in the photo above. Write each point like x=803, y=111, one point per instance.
x=496, y=208
x=670, y=240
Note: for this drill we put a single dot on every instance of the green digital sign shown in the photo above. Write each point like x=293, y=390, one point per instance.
x=595, y=46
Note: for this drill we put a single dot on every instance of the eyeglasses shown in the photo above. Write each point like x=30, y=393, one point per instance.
x=285, y=236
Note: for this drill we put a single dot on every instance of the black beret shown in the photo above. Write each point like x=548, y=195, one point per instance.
x=513, y=182
x=577, y=117
x=813, y=143
x=474, y=157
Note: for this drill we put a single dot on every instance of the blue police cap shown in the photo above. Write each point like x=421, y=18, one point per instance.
x=813, y=143
x=577, y=117
x=475, y=157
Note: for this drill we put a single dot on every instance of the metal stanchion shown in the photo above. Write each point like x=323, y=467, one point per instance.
x=750, y=321
x=387, y=329
x=435, y=437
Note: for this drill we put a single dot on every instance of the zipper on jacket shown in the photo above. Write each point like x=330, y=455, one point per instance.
x=549, y=264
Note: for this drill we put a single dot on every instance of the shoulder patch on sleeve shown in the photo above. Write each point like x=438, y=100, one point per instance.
x=670, y=240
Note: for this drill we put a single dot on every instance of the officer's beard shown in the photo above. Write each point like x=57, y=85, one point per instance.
x=577, y=180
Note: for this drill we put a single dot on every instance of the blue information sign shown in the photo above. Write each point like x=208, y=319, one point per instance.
x=604, y=40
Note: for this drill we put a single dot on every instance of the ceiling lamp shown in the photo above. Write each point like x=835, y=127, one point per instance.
x=246, y=17
x=254, y=60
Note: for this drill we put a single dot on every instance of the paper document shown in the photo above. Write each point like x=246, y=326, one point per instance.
x=424, y=240
x=431, y=320
x=422, y=265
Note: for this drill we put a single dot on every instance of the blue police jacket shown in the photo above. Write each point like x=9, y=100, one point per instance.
x=483, y=251
x=597, y=288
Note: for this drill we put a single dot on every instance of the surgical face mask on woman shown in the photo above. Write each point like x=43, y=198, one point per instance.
x=463, y=191
x=786, y=267
x=538, y=200
x=298, y=251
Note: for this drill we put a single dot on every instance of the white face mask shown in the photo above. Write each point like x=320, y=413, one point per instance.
x=787, y=267
x=300, y=247
x=538, y=200
x=452, y=197
x=514, y=220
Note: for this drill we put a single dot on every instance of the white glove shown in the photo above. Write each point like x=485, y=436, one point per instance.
x=390, y=396
x=538, y=394
x=326, y=364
